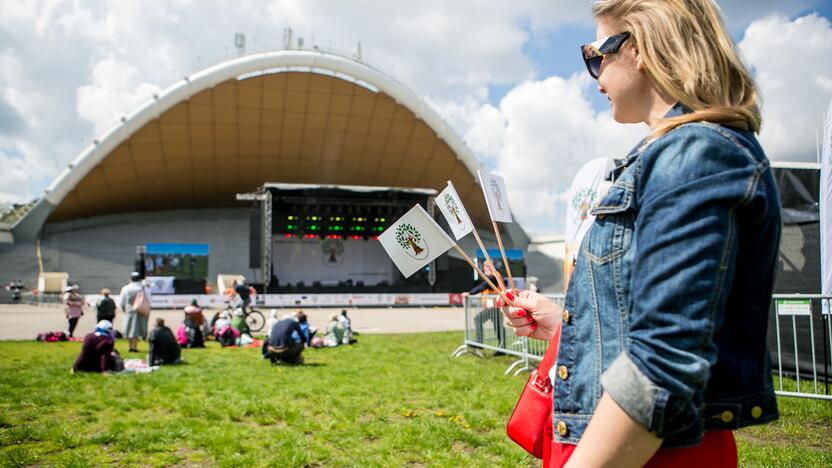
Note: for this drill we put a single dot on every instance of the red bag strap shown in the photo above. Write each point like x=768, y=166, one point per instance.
x=550, y=355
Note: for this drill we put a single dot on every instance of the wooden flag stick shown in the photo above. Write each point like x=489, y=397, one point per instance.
x=484, y=277
x=488, y=259
x=503, y=253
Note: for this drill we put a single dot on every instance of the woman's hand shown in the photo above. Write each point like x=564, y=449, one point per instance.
x=533, y=315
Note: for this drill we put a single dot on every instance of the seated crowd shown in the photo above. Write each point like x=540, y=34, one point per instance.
x=286, y=338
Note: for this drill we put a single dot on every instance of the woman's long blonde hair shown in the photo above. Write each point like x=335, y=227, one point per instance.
x=690, y=57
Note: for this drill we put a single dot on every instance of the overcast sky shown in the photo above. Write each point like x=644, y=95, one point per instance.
x=506, y=75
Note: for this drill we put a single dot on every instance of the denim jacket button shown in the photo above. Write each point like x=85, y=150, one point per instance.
x=600, y=216
x=756, y=412
x=562, y=429
x=563, y=372
x=727, y=416
x=566, y=316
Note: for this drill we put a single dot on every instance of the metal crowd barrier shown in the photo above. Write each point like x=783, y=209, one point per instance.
x=801, y=333
x=485, y=330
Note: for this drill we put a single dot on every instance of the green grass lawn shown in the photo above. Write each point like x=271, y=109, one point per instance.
x=390, y=400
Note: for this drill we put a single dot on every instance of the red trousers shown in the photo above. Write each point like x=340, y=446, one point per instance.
x=717, y=450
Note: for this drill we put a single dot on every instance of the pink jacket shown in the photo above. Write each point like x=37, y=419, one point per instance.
x=74, y=304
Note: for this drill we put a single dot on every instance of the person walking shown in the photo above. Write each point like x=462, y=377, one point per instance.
x=662, y=350
x=489, y=312
x=135, y=322
x=73, y=308
x=105, y=307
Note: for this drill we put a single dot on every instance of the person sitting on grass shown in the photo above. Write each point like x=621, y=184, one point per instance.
x=334, y=332
x=193, y=325
x=346, y=324
x=271, y=321
x=96, y=350
x=224, y=332
x=281, y=347
x=164, y=348
x=239, y=321
x=308, y=331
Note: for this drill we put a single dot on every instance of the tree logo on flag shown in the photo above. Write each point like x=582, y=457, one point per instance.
x=498, y=194
x=453, y=208
x=333, y=252
x=583, y=201
x=411, y=241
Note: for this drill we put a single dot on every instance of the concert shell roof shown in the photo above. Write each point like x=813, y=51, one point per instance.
x=303, y=117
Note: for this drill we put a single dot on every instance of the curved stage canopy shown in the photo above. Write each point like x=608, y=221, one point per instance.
x=284, y=116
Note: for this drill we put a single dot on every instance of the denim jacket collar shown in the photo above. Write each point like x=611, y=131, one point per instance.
x=675, y=111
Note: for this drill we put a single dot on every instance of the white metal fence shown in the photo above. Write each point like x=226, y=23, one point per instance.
x=484, y=329
x=800, y=341
x=802, y=344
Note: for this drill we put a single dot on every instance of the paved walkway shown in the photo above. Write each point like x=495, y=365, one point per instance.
x=24, y=322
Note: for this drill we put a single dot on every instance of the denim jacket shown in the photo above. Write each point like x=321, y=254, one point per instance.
x=667, y=307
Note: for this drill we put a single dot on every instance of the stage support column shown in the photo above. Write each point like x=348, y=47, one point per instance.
x=266, y=264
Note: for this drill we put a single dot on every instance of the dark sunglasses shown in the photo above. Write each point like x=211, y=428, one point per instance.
x=594, y=53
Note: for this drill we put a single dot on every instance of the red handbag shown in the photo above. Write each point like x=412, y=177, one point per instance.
x=530, y=424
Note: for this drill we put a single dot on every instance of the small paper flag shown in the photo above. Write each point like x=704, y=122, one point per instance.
x=450, y=205
x=414, y=241
x=496, y=197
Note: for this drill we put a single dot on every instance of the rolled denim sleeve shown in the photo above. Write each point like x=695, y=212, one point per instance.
x=694, y=181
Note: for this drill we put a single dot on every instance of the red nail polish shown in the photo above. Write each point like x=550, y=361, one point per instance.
x=534, y=326
x=529, y=319
x=510, y=296
x=521, y=313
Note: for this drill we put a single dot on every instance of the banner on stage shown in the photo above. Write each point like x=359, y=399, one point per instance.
x=160, y=284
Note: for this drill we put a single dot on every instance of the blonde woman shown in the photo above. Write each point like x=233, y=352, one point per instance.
x=663, y=334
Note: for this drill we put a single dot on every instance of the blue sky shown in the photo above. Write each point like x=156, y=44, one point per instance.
x=556, y=52
x=507, y=77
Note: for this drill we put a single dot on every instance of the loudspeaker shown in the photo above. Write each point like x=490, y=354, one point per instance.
x=255, y=238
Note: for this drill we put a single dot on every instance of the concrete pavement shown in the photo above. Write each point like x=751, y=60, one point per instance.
x=24, y=322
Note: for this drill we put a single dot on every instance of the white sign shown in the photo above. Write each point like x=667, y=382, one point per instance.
x=160, y=284
x=496, y=197
x=826, y=214
x=450, y=205
x=794, y=307
x=587, y=189
x=330, y=262
x=414, y=241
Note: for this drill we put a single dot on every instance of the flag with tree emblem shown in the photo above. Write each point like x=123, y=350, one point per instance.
x=414, y=241
x=496, y=197
x=450, y=205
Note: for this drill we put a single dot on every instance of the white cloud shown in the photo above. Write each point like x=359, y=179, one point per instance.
x=70, y=69
x=14, y=170
x=538, y=146
x=790, y=59
x=116, y=90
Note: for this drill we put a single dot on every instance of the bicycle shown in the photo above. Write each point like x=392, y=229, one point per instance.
x=255, y=320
